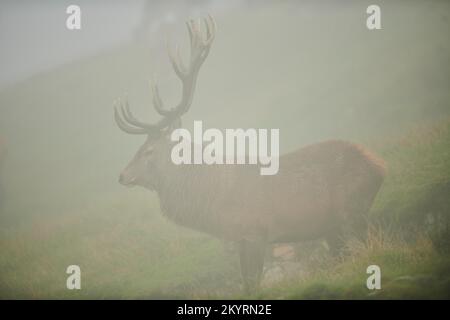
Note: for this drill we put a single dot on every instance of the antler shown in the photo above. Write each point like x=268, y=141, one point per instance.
x=200, y=47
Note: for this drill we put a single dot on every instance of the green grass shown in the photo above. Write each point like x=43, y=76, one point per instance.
x=414, y=260
x=408, y=271
x=418, y=182
x=131, y=251
x=123, y=252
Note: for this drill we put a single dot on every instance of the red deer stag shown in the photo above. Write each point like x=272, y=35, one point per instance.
x=319, y=191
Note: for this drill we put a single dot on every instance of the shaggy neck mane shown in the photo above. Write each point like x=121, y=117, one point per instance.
x=191, y=194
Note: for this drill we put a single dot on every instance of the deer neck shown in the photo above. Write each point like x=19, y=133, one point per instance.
x=182, y=199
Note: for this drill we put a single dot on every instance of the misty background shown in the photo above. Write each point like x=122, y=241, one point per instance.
x=34, y=37
x=311, y=69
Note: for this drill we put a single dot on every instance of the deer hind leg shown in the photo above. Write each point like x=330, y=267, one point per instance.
x=356, y=224
x=351, y=220
x=358, y=219
x=335, y=241
x=251, y=254
x=353, y=227
x=358, y=227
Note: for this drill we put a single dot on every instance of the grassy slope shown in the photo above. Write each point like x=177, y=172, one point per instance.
x=419, y=174
x=124, y=253
x=139, y=254
x=418, y=179
x=63, y=204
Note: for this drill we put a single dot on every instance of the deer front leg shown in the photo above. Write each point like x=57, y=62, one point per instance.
x=251, y=254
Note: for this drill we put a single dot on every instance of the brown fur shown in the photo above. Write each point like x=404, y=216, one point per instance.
x=317, y=188
x=319, y=191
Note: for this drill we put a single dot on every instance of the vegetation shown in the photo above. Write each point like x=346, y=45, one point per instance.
x=133, y=252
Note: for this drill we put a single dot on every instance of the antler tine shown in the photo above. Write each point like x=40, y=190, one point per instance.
x=199, y=51
x=123, y=126
x=128, y=117
x=157, y=102
x=211, y=28
x=147, y=128
x=191, y=31
x=177, y=62
x=208, y=29
x=200, y=46
x=194, y=27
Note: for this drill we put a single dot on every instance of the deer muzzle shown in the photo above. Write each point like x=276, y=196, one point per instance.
x=127, y=180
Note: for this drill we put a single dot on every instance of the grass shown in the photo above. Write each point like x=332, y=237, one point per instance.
x=413, y=254
x=133, y=252
x=408, y=271
x=419, y=174
x=132, y=255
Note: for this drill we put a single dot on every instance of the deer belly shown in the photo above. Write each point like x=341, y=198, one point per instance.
x=297, y=232
x=307, y=223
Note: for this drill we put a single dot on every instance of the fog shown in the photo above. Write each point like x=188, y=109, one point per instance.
x=312, y=70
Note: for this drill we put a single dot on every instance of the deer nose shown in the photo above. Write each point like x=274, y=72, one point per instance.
x=121, y=178
x=124, y=180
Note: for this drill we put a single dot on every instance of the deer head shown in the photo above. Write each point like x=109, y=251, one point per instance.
x=147, y=165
